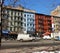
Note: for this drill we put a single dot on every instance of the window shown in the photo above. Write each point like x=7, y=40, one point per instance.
x=10, y=28
x=33, y=16
x=19, y=18
x=12, y=13
x=33, y=25
x=15, y=12
x=21, y=14
x=9, y=23
x=28, y=29
x=27, y=19
x=30, y=19
x=24, y=15
x=12, y=23
x=30, y=24
x=24, y=20
x=18, y=13
x=24, y=29
x=16, y=29
x=27, y=15
x=25, y=25
x=15, y=23
x=54, y=25
x=19, y=29
x=30, y=15
x=7, y=11
x=19, y=24
x=16, y=18
x=11, y=18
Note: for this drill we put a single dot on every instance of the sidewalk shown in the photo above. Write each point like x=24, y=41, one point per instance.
x=4, y=40
x=30, y=50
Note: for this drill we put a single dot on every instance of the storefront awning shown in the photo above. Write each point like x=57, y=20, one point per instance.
x=5, y=31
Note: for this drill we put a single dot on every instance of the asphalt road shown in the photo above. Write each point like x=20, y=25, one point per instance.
x=17, y=44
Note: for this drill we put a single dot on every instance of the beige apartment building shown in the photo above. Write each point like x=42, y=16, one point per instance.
x=56, y=23
x=56, y=12
x=56, y=19
x=13, y=18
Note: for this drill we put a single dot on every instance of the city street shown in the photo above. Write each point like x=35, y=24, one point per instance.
x=31, y=49
x=13, y=46
x=29, y=26
x=15, y=43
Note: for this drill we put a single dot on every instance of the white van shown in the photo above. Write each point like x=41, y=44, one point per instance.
x=25, y=37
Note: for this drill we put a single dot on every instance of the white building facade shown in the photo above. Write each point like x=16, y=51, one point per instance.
x=28, y=22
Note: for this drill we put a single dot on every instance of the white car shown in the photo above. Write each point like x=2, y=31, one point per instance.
x=57, y=38
x=37, y=38
x=46, y=37
x=26, y=37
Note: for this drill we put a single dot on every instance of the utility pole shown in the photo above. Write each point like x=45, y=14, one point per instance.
x=1, y=6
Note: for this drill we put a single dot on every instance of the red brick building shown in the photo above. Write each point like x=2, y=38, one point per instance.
x=42, y=23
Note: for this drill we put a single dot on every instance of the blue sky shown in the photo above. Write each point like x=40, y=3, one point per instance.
x=40, y=6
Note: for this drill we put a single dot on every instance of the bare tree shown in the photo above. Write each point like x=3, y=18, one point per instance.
x=11, y=2
x=2, y=3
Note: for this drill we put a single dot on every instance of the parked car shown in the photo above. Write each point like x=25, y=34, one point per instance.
x=46, y=37
x=57, y=38
x=37, y=37
x=26, y=37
